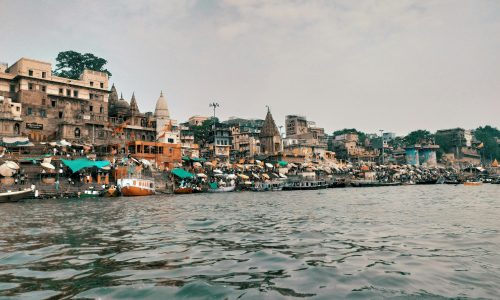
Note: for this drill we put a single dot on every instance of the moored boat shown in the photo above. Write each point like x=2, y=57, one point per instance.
x=372, y=183
x=112, y=191
x=473, y=183
x=183, y=190
x=222, y=189
x=305, y=185
x=14, y=196
x=136, y=186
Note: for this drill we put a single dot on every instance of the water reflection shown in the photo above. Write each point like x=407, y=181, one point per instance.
x=420, y=241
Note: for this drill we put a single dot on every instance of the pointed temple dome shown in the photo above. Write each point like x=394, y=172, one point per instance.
x=133, y=104
x=113, y=96
x=161, y=110
x=269, y=128
x=122, y=103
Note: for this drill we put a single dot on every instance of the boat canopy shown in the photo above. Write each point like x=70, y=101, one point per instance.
x=181, y=173
x=78, y=164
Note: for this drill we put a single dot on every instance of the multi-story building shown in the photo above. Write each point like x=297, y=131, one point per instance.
x=188, y=145
x=10, y=117
x=219, y=142
x=54, y=107
x=458, y=142
x=296, y=125
x=197, y=120
x=245, y=137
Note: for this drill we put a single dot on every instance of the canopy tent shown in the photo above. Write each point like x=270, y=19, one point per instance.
x=78, y=164
x=181, y=173
x=6, y=171
x=282, y=163
x=15, y=142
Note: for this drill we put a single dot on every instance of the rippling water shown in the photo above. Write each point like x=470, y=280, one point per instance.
x=396, y=242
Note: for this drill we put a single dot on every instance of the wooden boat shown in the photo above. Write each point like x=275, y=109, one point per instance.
x=372, y=183
x=222, y=189
x=473, y=183
x=183, y=190
x=305, y=185
x=268, y=186
x=14, y=196
x=112, y=191
x=337, y=184
x=136, y=187
x=90, y=194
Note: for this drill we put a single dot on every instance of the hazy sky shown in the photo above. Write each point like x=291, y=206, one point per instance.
x=396, y=65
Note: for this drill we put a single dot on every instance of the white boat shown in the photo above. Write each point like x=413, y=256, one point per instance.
x=222, y=189
x=14, y=196
x=305, y=185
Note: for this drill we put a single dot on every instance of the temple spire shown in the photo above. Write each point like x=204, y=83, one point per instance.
x=133, y=104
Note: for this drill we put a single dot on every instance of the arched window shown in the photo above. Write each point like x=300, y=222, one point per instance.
x=143, y=122
x=143, y=137
x=77, y=132
x=17, y=128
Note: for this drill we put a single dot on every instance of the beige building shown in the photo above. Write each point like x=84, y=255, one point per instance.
x=197, y=120
x=54, y=107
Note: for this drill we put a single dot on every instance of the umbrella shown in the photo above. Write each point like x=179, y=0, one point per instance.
x=197, y=165
x=12, y=165
x=243, y=176
x=248, y=182
x=217, y=171
x=231, y=176
x=269, y=165
x=207, y=163
x=48, y=166
x=283, y=176
x=265, y=176
x=201, y=175
x=6, y=171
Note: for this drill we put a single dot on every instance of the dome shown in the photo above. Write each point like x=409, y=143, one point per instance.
x=161, y=110
x=122, y=103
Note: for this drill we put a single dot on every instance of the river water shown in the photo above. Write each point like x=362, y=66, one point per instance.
x=412, y=242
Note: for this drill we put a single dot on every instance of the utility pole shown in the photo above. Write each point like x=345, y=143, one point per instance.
x=382, y=141
x=214, y=105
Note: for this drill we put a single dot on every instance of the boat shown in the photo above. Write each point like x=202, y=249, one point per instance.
x=90, y=194
x=473, y=183
x=372, y=183
x=112, y=191
x=14, y=196
x=337, y=184
x=222, y=189
x=305, y=185
x=427, y=181
x=267, y=186
x=183, y=190
x=136, y=186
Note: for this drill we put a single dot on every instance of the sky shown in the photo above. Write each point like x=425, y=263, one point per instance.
x=395, y=65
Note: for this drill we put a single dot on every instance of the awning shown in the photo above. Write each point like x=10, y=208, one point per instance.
x=78, y=164
x=15, y=142
x=282, y=163
x=181, y=173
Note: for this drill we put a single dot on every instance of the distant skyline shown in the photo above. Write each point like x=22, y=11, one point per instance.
x=393, y=65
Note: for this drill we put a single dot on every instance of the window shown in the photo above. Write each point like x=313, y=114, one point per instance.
x=43, y=113
x=61, y=91
x=91, y=96
x=44, y=88
x=43, y=101
x=77, y=132
x=68, y=92
x=29, y=112
x=53, y=103
x=102, y=85
x=44, y=74
x=171, y=141
x=101, y=110
x=91, y=83
x=30, y=86
x=91, y=108
x=17, y=128
x=18, y=108
x=12, y=88
x=60, y=115
x=75, y=93
x=30, y=72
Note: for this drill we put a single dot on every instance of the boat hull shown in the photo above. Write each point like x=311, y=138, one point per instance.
x=15, y=196
x=184, y=190
x=222, y=189
x=130, y=191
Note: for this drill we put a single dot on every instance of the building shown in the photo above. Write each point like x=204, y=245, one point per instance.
x=219, y=143
x=458, y=142
x=167, y=130
x=10, y=118
x=424, y=155
x=197, y=120
x=270, y=137
x=54, y=107
x=245, y=137
x=295, y=125
x=188, y=145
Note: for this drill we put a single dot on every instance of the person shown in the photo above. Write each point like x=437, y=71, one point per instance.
x=16, y=180
x=57, y=185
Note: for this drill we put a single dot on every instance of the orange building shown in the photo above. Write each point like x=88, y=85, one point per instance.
x=166, y=155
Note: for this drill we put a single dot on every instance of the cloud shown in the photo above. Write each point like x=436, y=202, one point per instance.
x=396, y=65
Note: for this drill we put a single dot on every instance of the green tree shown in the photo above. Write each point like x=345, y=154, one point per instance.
x=202, y=132
x=418, y=137
x=488, y=136
x=70, y=64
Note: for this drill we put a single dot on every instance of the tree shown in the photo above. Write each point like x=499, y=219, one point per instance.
x=418, y=137
x=70, y=64
x=488, y=136
x=202, y=132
